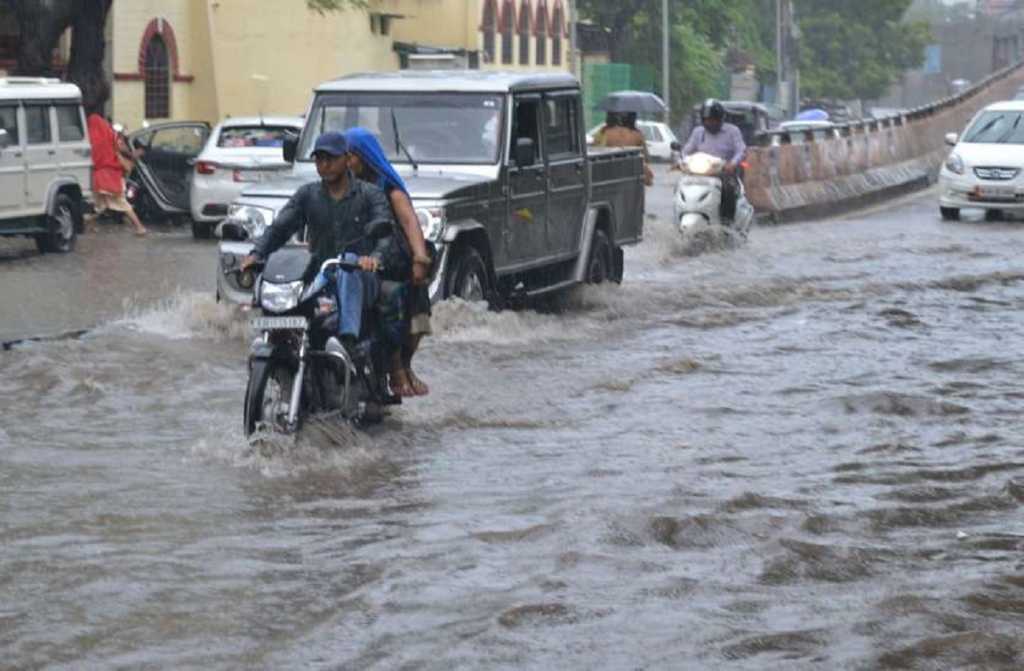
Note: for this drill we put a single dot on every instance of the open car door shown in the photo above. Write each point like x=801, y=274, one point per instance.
x=166, y=166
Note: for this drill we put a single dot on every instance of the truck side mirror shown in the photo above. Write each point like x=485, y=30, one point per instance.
x=289, y=147
x=5, y=139
x=525, y=153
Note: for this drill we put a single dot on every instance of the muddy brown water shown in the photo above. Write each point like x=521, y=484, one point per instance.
x=802, y=454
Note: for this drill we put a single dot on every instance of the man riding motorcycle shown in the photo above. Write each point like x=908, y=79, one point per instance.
x=716, y=137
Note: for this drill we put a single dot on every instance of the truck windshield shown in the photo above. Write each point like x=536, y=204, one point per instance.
x=433, y=127
x=997, y=128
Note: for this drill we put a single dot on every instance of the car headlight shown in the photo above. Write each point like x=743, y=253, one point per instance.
x=280, y=297
x=253, y=219
x=955, y=164
x=432, y=221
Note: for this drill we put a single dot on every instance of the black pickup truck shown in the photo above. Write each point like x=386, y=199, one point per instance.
x=499, y=173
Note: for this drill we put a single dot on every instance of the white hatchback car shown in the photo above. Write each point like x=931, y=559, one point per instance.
x=239, y=151
x=985, y=170
x=657, y=136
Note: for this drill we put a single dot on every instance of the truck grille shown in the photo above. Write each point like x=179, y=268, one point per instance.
x=996, y=174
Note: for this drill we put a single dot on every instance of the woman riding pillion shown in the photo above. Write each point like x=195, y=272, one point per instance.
x=368, y=162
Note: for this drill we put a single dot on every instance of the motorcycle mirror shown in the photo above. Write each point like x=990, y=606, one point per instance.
x=231, y=230
x=5, y=139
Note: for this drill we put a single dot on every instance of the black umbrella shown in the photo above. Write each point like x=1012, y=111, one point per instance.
x=640, y=102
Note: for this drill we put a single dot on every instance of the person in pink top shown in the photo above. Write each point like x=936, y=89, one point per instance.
x=109, y=166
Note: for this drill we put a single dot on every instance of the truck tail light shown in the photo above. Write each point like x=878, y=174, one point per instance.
x=206, y=167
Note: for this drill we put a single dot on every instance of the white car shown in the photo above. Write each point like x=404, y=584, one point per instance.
x=985, y=169
x=657, y=136
x=239, y=151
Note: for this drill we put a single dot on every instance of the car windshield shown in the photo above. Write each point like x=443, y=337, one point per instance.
x=254, y=136
x=433, y=127
x=997, y=128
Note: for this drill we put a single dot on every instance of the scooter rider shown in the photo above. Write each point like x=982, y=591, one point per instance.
x=716, y=137
x=336, y=210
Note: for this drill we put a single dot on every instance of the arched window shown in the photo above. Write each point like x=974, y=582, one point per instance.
x=508, y=31
x=541, y=31
x=557, y=26
x=524, y=33
x=157, y=74
x=489, y=26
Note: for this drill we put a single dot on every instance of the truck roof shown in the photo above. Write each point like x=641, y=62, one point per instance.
x=455, y=81
x=37, y=88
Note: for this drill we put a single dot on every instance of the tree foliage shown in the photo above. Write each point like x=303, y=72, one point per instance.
x=856, y=50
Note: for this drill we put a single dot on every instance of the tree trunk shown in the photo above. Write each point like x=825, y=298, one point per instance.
x=88, y=46
x=40, y=25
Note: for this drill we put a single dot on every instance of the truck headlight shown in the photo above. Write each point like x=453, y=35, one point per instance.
x=280, y=297
x=253, y=219
x=955, y=164
x=432, y=221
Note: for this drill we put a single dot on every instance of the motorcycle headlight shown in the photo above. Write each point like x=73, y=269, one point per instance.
x=280, y=297
x=955, y=164
x=432, y=221
x=700, y=164
x=253, y=219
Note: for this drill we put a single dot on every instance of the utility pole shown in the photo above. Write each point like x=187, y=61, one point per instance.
x=779, y=78
x=573, y=56
x=666, y=94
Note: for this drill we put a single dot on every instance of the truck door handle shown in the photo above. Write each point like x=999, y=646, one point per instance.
x=51, y=152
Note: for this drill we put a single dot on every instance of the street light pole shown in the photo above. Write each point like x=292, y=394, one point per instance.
x=778, y=53
x=665, y=92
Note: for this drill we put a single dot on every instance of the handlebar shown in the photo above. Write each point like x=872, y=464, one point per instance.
x=347, y=266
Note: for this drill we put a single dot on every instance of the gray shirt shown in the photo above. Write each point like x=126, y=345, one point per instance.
x=727, y=144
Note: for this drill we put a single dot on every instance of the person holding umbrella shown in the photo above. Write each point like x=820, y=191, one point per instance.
x=620, y=128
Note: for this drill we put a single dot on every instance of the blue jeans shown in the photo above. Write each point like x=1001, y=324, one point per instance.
x=356, y=290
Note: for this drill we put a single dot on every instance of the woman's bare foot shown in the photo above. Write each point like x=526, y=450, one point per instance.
x=418, y=386
x=141, y=231
x=400, y=383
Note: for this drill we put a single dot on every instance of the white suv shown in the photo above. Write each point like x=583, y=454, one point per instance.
x=985, y=168
x=45, y=161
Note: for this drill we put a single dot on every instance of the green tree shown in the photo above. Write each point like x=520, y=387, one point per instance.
x=856, y=50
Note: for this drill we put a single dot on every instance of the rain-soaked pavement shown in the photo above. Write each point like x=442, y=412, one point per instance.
x=803, y=454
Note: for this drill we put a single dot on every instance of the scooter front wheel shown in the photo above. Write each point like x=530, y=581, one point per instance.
x=267, y=396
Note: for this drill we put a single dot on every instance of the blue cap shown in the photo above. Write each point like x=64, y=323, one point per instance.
x=332, y=142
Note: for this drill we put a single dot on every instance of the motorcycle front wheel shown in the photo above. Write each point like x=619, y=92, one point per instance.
x=267, y=395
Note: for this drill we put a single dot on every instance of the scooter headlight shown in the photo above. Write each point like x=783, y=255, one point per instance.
x=253, y=219
x=700, y=164
x=280, y=297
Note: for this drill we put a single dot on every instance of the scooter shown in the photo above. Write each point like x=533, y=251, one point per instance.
x=297, y=367
x=697, y=203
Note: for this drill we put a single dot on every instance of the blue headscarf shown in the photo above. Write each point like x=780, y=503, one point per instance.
x=363, y=143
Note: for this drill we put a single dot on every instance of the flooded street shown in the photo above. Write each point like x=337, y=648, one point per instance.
x=802, y=454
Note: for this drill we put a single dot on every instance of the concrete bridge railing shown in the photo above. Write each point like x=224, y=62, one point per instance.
x=816, y=173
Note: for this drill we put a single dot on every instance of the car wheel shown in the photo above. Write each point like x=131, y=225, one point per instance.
x=599, y=265
x=949, y=213
x=993, y=215
x=60, y=227
x=469, y=279
x=201, y=230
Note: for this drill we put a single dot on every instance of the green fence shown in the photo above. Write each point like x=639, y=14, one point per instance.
x=600, y=79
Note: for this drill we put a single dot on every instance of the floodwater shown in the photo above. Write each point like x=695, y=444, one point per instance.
x=805, y=453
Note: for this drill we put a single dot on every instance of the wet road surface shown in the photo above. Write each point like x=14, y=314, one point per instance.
x=802, y=454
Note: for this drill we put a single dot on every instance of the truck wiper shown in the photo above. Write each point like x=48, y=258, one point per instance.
x=399, y=146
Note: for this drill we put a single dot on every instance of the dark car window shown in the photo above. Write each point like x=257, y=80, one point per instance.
x=9, y=122
x=69, y=124
x=562, y=130
x=37, y=124
x=526, y=124
x=182, y=140
x=254, y=136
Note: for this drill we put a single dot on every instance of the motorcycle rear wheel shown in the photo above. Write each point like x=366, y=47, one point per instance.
x=267, y=396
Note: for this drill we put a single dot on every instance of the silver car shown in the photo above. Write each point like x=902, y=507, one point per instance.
x=238, y=153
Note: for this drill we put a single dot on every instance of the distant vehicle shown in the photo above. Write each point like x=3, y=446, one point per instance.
x=158, y=187
x=45, y=161
x=958, y=86
x=985, y=169
x=657, y=136
x=750, y=118
x=240, y=151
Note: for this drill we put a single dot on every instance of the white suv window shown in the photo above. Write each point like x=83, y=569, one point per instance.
x=69, y=124
x=9, y=122
x=37, y=124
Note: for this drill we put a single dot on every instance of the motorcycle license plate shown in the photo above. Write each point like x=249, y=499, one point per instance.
x=272, y=323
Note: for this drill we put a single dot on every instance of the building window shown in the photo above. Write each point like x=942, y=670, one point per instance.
x=542, y=35
x=556, y=36
x=489, y=28
x=508, y=27
x=524, y=33
x=157, y=76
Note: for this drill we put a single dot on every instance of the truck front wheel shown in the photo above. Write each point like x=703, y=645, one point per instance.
x=469, y=279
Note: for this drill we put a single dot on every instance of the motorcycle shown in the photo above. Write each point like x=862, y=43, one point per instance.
x=697, y=201
x=297, y=367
